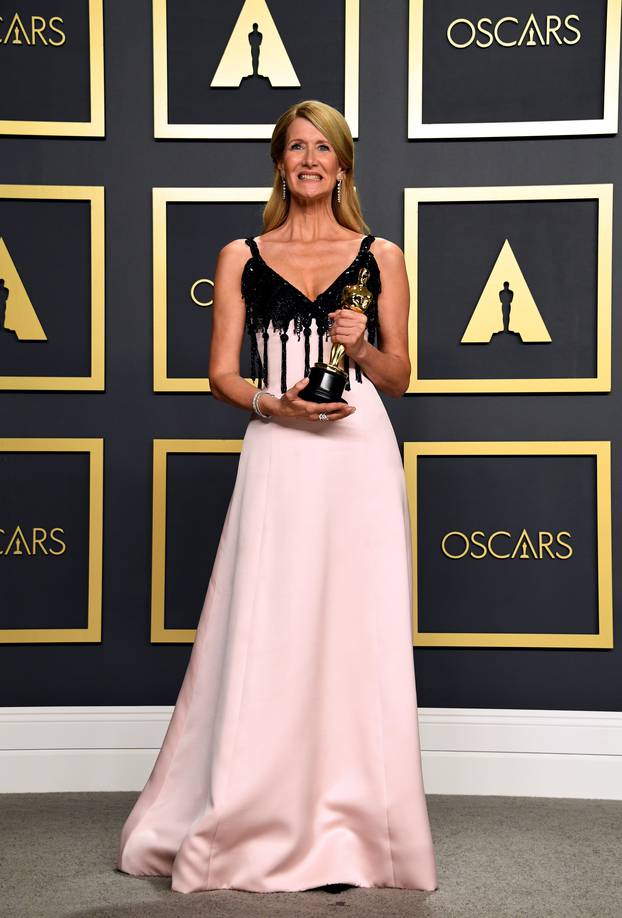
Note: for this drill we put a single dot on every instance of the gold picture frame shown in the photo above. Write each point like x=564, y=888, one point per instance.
x=601, y=450
x=162, y=382
x=160, y=634
x=95, y=126
x=420, y=130
x=162, y=128
x=92, y=633
x=603, y=193
x=95, y=381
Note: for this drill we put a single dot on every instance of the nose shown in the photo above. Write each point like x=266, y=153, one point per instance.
x=309, y=157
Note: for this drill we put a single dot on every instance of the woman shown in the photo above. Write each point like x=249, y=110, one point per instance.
x=292, y=758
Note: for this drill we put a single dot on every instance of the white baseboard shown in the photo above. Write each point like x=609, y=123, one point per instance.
x=464, y=751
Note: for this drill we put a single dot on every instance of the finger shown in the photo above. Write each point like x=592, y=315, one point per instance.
x=338, y=412
x=344, y=329
x=332, y=406
x=292, y=392
x=339, y=415
x=312, y=409
x=348, y=324
x=316, y=410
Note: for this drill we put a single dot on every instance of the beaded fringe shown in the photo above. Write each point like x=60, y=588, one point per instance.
x=259, y=367
x=263, y=308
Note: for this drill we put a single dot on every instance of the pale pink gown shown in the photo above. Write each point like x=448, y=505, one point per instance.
x=292, y=759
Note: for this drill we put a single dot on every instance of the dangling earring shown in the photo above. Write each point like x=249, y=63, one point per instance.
x=284, y=187
x=338, y=191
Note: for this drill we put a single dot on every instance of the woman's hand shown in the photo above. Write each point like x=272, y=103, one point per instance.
x=348, y=328
x=289, y=405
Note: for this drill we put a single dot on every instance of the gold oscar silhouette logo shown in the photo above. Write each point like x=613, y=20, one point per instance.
x=511, y=32
x=503, y=545
x=20, y=542
x=255, y=50
x=33, y=30
x=506, y=305
x=17, y=313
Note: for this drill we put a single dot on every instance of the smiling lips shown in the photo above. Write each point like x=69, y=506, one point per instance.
x=310, y=177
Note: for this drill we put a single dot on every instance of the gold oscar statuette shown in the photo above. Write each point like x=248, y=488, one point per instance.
x=327, y=380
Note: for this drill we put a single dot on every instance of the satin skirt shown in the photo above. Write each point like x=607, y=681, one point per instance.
x=292, y=758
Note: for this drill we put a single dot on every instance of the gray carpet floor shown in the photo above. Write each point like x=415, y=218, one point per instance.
x=497, y=857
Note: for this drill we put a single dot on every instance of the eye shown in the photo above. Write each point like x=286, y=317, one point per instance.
x=296, y=143
x=325, y=145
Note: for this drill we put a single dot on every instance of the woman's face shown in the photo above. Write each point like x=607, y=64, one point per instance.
x=310, y=165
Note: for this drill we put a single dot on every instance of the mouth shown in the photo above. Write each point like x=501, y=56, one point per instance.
x=309, y=177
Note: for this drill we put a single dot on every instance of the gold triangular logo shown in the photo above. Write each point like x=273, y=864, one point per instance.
x=17, y=313
x=255, y=50
x=523, y=542
x=506, y=291
x=17, y=540
x=16, y=34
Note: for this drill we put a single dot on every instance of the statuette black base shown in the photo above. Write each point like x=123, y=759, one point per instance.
x=325, y=384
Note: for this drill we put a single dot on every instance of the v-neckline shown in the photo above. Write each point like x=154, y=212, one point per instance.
x=297, y=289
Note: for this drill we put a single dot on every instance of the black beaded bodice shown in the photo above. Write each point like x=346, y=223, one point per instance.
x=270, y=299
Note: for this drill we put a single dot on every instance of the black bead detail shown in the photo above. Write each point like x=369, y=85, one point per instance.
x=270, y=300
x=307, y=332
x=254, y=358
x=284, y=337
x=266, y=336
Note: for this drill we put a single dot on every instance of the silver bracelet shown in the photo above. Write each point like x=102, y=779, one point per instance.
x=255, y=403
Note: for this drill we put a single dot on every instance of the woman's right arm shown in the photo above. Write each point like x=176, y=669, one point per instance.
x=228, y=327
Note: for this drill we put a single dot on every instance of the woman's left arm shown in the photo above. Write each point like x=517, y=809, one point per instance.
x=388, y=365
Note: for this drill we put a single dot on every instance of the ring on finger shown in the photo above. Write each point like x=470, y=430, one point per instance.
x=322, y=416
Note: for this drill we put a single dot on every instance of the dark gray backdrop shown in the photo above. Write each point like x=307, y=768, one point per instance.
x=125, y=668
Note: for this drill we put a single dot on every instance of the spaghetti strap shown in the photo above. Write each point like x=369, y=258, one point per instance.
x=253, y=246
x=365, y=243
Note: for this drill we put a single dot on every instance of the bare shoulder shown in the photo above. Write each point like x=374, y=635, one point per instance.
x=233, y=256
x=234, y=253
x=388, y=254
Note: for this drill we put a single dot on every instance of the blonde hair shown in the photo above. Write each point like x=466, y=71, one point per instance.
x=334, y=127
